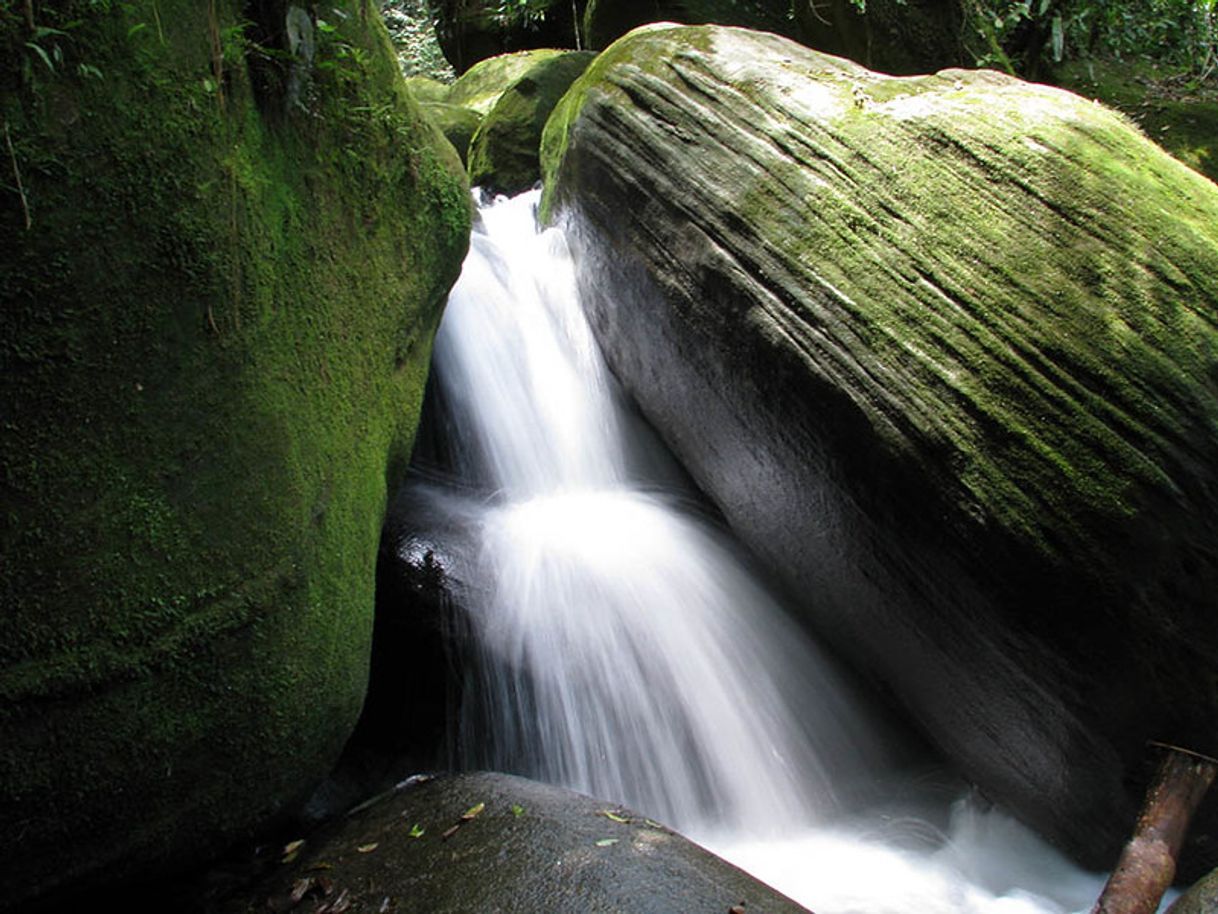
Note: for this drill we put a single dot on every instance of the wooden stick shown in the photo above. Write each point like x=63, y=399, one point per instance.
x=1148, y=862
x=12, y=154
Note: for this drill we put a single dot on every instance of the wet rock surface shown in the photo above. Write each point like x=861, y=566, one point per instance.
x=493, y=842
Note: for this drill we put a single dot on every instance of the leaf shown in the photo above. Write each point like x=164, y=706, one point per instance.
x=300, y=888
x=610, y=814
x=139, y=26
x=291, y=850
x=41, y=53
x=517, y=810
x=1059, y=38
x=368, y=848
x=448, y=833
x=417, y=830
x=473, y=812
x=606, y=842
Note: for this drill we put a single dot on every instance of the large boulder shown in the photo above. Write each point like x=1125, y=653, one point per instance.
x=479, y=87
x=219, y=276
x=943, y=350
x=504, y=153
x=493, y=842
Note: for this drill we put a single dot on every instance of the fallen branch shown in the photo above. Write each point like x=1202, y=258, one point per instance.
x=12, y=154
x=1148, y=862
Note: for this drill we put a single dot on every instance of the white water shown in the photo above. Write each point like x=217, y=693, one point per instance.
x=626, y=650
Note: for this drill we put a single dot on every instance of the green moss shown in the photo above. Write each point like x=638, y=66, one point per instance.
x=214, y=335
x=482, y=84
x=428, y=91
x=456, y=123
x=503, y=154
x=1176, y=110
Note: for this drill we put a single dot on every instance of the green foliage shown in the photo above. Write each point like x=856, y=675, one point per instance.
x=1179, y=32
x=412, y=29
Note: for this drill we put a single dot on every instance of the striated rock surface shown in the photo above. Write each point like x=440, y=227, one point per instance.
x=219, y=281
x=944, y=350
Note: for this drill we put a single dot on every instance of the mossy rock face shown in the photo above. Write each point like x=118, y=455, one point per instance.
x=474, y=30
x=214, y=334
x=458, y=124
x=1173, y=108
x=428, y=91
x=494, y=842
x=943, y=350
x=480, y=87
x=504, y=154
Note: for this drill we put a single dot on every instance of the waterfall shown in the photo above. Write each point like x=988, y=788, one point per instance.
x=624, y=647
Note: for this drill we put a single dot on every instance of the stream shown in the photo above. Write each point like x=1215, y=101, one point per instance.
x=624, y=646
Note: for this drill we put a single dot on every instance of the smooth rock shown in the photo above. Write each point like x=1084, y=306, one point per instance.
x=943, y=350
x=494, y=842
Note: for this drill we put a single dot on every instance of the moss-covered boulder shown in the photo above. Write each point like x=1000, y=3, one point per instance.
x=473, y=30
x=458, y=124
x=504, y=155
x=943, y=350
x=220, y=270
x=493, y=842
x=480, y=87
x=428, y=91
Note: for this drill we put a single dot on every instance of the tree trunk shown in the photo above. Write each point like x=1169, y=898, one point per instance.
x=1148, y=862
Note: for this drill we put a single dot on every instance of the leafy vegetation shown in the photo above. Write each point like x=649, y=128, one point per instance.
x=1026, y=34
x=412, y=28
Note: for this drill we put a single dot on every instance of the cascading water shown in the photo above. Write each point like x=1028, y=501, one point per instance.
x=625, y=649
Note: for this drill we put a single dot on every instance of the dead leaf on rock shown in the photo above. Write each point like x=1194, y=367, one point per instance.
x=473, y=812
x=339, y=905
x=610, y=814
x=300, y=888
x=291, y=850
x=368, y=848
